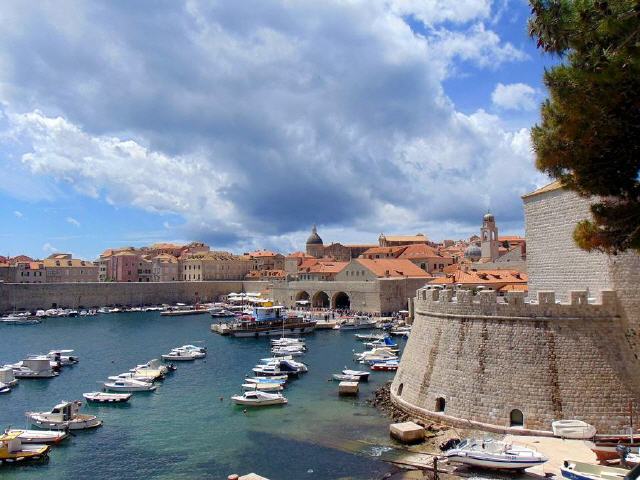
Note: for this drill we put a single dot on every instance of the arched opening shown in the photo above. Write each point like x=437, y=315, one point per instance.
x=302, y=299
x=440, y=404
x=321, y=300
x=341, y=301
x=516, y=419
x=399, y=392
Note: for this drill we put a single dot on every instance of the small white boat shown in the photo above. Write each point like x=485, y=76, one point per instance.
x=18, y=320
x=573, y=470
x=494, y=455
x=141, y=377
x=263, y=387
x=362, y=375
x=281, y=379
x=256, y=398
x=129, y=385
x=369, y=336
x=291, y=366
x=345, y=378
x=7, y=377
x=104, y=397
x=357, y=322
x=575, y=429
x=179, y=356
x=63, y=357
x=64, y=416
x=40, y=437
x=287, y=341
x=4, y=388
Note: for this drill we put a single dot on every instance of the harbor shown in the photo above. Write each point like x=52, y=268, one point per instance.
x=189, y=427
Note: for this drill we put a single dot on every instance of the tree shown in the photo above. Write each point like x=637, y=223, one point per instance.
x=589, y=135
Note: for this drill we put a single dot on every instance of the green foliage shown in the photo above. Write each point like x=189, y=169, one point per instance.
x=589, y=137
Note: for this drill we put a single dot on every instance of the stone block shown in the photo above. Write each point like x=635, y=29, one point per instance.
x=407, y=432
x=348, y=388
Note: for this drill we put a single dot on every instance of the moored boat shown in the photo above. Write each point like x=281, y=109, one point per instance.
x=575, y=429
x=356, y=322
x=362, y=375
x=64, y=416
x=39, y=436
x=129, y=385
x=104, y=397
x=263, y=387
x=390, y=366
x=269, y=321
x=256, y=398
x=281, y=379
x=345, y=378
x=7, y=377
x=494, y=455
x=12, y=450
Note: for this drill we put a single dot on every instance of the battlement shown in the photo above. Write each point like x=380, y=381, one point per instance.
x=513, y=305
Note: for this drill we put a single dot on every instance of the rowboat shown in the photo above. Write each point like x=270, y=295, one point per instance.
x=576, y=429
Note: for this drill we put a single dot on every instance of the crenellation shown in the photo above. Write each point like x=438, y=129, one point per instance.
x=578, y=297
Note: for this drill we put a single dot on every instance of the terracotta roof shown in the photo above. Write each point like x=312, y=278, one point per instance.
x=298, y=255
x=405, y=238
x=422, y=251
x=166, y=258
x=158, y=246
x=358, y=245
x=21, y=258
x=482, y=277
x=384, y=250
x=556, y=185
x=66, y=262
x=263, y=253
x=511, y=238
x=392, y=267
x=327, y=267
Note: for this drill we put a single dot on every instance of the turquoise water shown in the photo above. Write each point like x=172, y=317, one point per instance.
x=184, y=430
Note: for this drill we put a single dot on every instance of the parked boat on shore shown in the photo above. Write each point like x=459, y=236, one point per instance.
x=64, y=416
x=574, y=429
x=494, y=455
x=606, y=447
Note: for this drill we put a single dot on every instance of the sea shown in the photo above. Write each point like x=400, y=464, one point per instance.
x=189, y=428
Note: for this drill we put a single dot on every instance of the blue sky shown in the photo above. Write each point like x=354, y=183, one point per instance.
x=243, y=123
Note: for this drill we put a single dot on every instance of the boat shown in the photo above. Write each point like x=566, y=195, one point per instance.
x=400, y=331
x=64, y=416
x=385, y=342
x=179, y=356
x=357, y=322
x=18, y=320
x=573, y=470
x=12, y=450
x=575, y=429
x=606, y=447
x=268, y=321
x=129, y=385
x=220, y=312
x=494, y=455
x=34, y=367
x=291, y=366
x=390, y=366
x=141, y=377
x=4, y=388
x=345, y=378
x=256, y=398
x=369, y=336
x=376, y=355
x=363, y=376
x=287, y=351
x=104, y=397
x=287, y=341
x=63, y=357
x=280, y=379
x=39, y=436
x=263, y=387
x=182, y=310
x=268, y=370
x=7, y=377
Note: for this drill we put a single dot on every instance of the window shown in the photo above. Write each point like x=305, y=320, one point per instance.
x=516, y=418
x=440, y=404
x=400, y=387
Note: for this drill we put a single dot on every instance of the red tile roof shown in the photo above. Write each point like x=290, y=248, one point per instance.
x=482, y=277
x=420, y=251
x=392, y=267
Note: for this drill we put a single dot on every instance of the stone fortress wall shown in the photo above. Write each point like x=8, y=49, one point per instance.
x=32, y=296
x=477, y=361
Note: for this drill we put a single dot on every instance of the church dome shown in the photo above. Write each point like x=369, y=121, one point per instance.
x=473, y=252
x=314, y=238
x=489, y=217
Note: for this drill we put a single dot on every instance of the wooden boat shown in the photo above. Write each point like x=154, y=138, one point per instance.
x=259, y=399
x=104, y=397
x=494, y=455
x=573, y=470
x=64, y=416
x=40, y=437
x=576, y=429
x=12, y=450
x=606, y=447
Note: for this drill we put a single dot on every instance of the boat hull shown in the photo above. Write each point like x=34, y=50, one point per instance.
x=41, y=437
x=261, y=403
x=71, y=425
x=272, y=332
x=493, y=464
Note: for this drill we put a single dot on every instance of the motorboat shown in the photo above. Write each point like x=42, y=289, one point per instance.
x=376, y=355
x=179, y=356
x=575, y=429
x=281, y=379
x=7, y=377
x=357, y=322
x=390, y=366
x=104, y=397
x=64, y=416
x=129, y=385
x=220, y=312
x=256, y=398
x=287, y=341
x=263, y=387
x=494, y=455
x=4, y=388
x=363, y=376
x=39, y=436
x=17, y=320
x=268, y=370
x=385, y=342
x=400, y=331
x=345, y=378
x=369, y=336
x=607, y=447
x=193, y=348
x=38, y=366
x=104, y=310
x=63, y=357
x=573, y=470
x=291, y=366
x=153, y=369
x=12, y=449
x=141, y=377
x=268, y=321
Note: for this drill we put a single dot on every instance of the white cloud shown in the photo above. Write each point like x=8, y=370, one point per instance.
x=514, y=96
x=48, y=248
x=73, y=221
x=18, y=214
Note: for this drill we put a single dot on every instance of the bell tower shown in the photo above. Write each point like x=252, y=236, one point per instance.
x=489, y=239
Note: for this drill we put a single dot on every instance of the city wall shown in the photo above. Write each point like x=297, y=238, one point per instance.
x=32, y=296
x=472, y=360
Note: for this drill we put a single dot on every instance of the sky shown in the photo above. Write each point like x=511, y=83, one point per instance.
x=242, y=124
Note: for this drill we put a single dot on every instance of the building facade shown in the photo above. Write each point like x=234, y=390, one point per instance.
x=214, y=266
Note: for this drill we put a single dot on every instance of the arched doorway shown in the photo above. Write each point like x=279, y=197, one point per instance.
x=341, y=301
x=440, y=404
x=302, y=299
x=321, y=300
x=516, y=418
